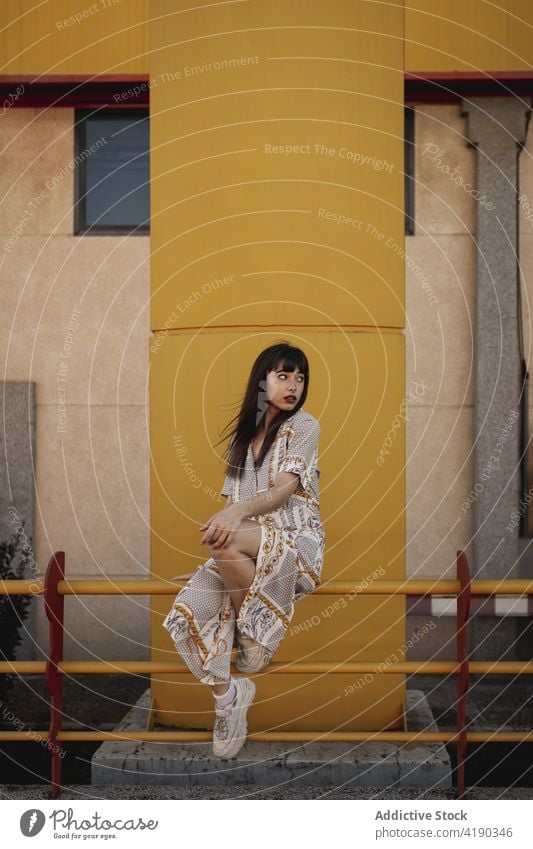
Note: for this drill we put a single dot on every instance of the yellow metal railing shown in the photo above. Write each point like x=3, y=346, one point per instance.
x=55, y=587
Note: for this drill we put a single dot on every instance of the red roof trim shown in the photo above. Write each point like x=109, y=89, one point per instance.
x=452, y=86
x=126, y=90
x=123, y=90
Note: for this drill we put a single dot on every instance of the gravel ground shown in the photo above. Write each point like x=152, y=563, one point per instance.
x=244, y=791
x=90, y=701
x=101, y=701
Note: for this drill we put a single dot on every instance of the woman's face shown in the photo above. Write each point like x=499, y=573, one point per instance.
x=284, y=388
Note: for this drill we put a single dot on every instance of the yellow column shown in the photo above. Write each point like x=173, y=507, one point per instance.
x=277, y=213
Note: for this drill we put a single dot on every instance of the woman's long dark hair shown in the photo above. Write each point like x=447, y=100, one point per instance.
x=282, y=356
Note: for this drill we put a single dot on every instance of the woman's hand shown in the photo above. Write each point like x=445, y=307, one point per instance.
x=220, y=528
x=184, y=577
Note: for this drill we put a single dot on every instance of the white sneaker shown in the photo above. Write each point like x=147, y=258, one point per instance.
x=229, y=730
x=251, y=656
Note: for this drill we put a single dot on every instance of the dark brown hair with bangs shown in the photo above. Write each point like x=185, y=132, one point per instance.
x=243, y=427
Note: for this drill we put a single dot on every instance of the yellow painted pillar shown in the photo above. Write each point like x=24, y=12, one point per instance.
x=277, y=213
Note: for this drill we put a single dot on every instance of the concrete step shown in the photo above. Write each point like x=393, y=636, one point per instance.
x=367, y=764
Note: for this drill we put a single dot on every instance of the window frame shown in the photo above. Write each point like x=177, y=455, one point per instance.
x=409, y=170
x=81, y=228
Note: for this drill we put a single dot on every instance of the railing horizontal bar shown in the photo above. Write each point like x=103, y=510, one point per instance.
x=24, y=667
x=153, y=587
x=282, y=736
x=436, y=667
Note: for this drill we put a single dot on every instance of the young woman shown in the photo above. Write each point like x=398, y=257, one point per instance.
x=266, y=545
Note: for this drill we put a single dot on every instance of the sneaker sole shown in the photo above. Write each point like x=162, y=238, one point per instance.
x=247, y=694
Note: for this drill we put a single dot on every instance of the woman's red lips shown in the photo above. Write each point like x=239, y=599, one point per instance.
x=290, y=397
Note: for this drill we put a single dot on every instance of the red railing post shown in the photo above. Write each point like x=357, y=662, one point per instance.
x=54, y=606
x=463, y=611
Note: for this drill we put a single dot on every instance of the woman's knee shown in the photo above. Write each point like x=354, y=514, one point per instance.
x=244, y=544
x=228, y=559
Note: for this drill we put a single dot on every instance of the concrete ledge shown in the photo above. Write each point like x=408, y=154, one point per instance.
x=272, y=764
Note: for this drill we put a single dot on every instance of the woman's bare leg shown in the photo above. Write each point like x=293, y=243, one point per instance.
x=236, y=564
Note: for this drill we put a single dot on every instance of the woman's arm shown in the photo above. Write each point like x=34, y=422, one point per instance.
x=221, y=527
x=271, y=499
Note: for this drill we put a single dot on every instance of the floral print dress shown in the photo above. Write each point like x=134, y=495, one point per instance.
x=289, y=562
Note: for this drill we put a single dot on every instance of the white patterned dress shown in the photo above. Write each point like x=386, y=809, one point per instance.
x=289, y=562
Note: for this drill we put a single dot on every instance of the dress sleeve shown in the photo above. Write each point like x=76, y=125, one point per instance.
x=302, y=450
x=227, y=488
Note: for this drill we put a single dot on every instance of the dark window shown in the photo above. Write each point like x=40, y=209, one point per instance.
x=112, y=156
x=409, y=159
